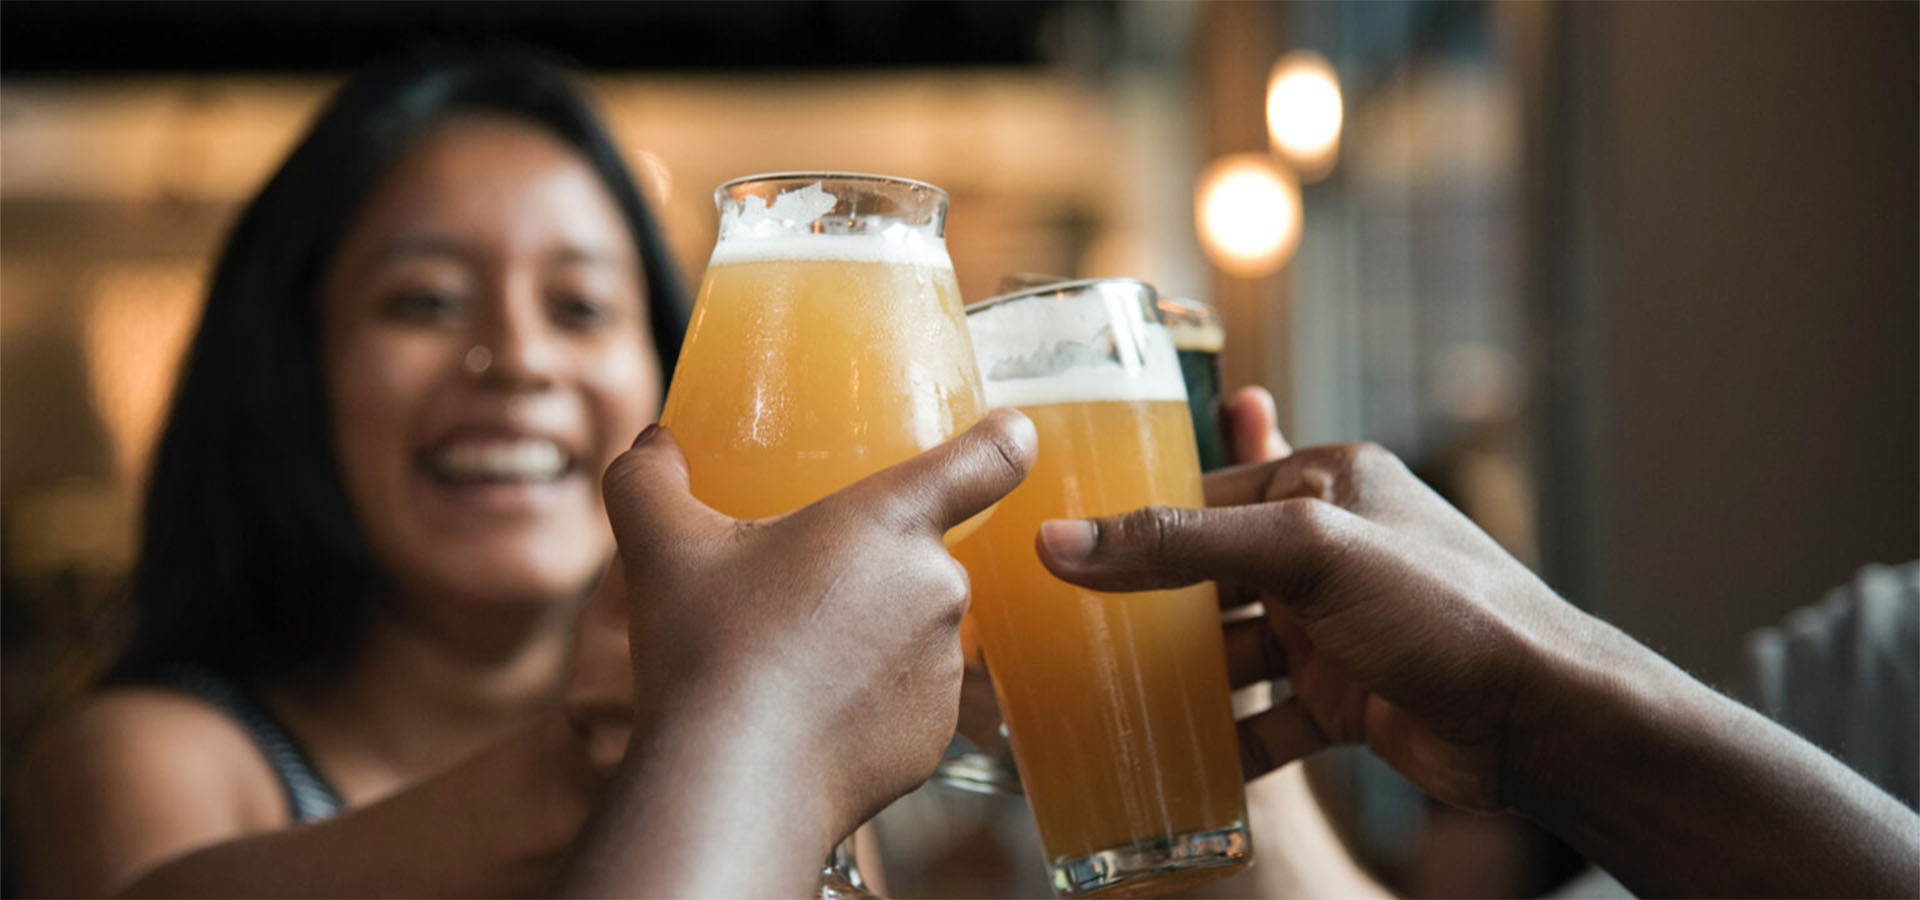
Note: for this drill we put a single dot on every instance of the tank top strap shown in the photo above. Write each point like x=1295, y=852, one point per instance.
x=310, y=796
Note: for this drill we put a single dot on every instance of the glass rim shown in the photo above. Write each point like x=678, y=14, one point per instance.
x=1058, y=287
x=1189, y=303
x=818, y=175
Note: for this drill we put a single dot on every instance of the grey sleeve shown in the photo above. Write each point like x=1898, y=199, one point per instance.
x=1844, y=675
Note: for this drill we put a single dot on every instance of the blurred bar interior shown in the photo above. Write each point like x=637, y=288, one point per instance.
x=1634, y=285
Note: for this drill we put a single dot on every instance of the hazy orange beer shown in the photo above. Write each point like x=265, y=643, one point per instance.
x=1117, y=704
x=827, y=341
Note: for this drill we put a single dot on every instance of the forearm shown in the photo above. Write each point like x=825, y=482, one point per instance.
x=496, y=825
x=703, y=807
x=1677, y=790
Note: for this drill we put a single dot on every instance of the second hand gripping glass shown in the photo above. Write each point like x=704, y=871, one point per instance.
x=827, y=343
x=1117, y=704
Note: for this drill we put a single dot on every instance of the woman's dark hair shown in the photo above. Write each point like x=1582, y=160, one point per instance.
x=251, y=560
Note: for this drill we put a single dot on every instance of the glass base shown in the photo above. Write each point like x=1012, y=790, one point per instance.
x=834, y=886
x=1159, y=865
x=840, y=877
x=980, y=773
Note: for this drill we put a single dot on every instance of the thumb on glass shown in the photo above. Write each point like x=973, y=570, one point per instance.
x=953, y=482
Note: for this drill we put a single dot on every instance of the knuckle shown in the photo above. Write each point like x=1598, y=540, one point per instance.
x=955, y=593
x=613, y=481
x=1342, y=470
x=1347, y=457
x=1371, y=457
x=1007, y=458
x=1371, y=470
x=1323, y=535
x=1155, y=530
x=1307, y=521
x=1274, y=486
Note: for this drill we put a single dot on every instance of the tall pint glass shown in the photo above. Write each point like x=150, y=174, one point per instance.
x=827, y=343
x=1117, y=704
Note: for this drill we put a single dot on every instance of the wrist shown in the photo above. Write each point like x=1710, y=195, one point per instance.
x=748, y=722
x=755, y=744
x=1591, y=698
x=698, y=777
x=1607, y=754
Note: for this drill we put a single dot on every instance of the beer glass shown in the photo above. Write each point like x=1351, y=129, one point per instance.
x=1197, y=338
x=979, y=760
x=1117, y=704
x=827, y=343
x=1198, y=335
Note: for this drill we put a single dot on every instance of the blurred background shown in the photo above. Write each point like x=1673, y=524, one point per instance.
x=1635, y=285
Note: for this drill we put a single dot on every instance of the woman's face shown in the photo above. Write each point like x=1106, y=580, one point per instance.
x=487, y=354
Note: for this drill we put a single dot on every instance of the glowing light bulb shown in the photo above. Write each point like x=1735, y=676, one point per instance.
x=1248, y=214
x=1304, y=112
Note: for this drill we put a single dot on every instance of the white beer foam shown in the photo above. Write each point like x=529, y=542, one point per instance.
x=1084, y=386
x=791, y=210
x=787, y=230
x=904, y=246
x=1100, y=354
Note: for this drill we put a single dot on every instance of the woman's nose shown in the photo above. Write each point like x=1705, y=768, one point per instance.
x=521, y=349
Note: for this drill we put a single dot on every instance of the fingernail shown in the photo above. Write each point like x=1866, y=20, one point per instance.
x=646, y=434
x=1069, y=540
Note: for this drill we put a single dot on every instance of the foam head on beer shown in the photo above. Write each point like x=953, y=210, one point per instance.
x=801, y=224
x=1097, y=346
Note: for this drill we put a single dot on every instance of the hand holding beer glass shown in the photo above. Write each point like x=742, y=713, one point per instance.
x=1117, y=704
x=827, y=343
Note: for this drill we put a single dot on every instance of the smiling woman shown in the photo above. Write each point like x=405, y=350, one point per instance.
x=408, y=227
x=487, y=352
x=375, y=509
x=397, y=459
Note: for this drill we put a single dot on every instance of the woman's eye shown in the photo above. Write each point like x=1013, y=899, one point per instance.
x=424, y=306
x=580, y=312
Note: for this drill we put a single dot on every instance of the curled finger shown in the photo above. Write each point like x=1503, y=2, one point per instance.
x=1278, y=736
x=1254, y=653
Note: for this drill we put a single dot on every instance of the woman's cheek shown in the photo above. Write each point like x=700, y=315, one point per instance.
x=625, y=395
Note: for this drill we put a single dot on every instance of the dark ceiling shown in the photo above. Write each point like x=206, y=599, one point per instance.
x=82, y=38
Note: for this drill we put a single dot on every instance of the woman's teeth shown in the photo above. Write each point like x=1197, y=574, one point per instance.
x=515, y=460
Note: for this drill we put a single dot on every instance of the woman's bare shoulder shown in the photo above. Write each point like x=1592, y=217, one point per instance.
x=131, y=777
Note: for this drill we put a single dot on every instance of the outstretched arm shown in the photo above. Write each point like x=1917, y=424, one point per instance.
x=1678, y=790
x=145, y=793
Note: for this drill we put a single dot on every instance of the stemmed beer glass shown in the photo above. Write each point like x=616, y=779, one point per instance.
x=827, y=343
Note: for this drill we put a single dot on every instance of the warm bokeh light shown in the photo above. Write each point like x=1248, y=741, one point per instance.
x=1304, y=112
x=656, y=178
x=138, y=321
x=1248, y=213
